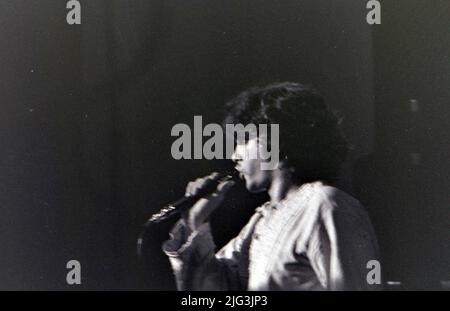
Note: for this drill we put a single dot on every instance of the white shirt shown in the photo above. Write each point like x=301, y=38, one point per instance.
x=317, y=238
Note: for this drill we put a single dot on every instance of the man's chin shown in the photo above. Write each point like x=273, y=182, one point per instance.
x=254, y=188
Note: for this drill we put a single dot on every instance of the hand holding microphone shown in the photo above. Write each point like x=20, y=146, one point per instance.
x=200, y=212
x=202, y=197
x=196, y=190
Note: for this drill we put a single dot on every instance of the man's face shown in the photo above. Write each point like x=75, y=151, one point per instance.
x=248, y=163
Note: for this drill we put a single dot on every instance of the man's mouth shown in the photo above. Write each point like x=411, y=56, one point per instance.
x=241, y=173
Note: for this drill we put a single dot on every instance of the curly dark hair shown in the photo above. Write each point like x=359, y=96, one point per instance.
x=310, y=137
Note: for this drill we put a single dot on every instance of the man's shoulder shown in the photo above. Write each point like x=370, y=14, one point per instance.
x=327, y=198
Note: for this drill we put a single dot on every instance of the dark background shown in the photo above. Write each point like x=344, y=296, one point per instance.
x=86, y=113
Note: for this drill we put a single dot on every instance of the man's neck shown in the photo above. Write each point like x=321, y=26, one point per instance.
x=280, y=187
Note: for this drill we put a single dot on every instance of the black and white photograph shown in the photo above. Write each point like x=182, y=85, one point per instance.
x=238, y=146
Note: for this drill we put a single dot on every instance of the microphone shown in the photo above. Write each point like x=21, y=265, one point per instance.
x=184, y=204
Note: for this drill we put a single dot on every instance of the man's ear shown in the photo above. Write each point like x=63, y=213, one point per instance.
x=284, y=165
x=284, y=162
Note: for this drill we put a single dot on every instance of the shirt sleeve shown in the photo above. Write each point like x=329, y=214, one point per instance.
x=195, y=264
x=341, y=245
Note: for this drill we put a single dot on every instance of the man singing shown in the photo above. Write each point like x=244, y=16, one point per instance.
x=309, y=235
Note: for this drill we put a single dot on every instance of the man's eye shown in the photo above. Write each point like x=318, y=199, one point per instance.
x=247, y=137
x=242, y=139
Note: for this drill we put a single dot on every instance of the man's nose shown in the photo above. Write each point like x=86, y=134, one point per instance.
x=236, y=156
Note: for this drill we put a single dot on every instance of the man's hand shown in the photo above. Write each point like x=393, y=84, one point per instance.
x=204, y=207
